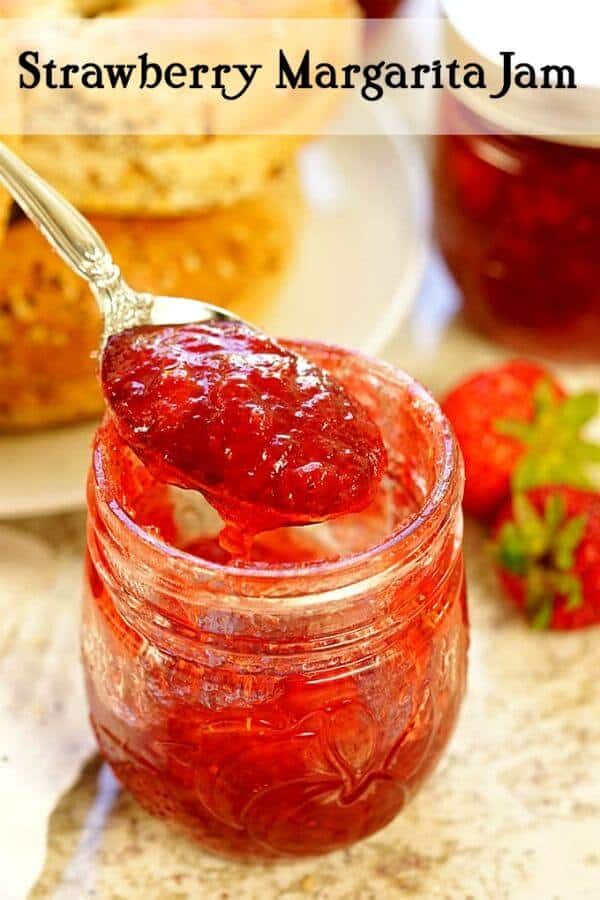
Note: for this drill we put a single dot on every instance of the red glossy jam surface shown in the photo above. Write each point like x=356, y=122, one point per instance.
x=267, y=436
x=517, y=220
x=379, y=9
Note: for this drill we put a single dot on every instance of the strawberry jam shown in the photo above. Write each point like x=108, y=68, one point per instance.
x=292, y=701
x=268, y=437
x=379, y=9
x=517, y=220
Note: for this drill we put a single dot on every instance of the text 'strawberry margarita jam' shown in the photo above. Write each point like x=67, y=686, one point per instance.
x=292, y=702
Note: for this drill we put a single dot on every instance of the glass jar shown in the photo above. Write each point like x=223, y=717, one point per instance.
x=518, y=222
x=292, y=704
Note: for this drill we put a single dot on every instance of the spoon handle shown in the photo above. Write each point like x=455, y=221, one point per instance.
x=84, y=251
x=64, y=228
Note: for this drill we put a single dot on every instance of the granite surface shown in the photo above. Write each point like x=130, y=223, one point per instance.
x=513, y=812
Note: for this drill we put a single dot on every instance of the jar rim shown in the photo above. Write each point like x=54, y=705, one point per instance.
x=448, y=479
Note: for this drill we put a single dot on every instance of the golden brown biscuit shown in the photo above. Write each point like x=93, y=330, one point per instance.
x=6, y=201
x=168, y=174
x=239, y=9
x=49, y=323
x=5, y=205
x=156, y=175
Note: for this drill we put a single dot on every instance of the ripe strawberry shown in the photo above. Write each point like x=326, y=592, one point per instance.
x=518, y=429
x=547, y=545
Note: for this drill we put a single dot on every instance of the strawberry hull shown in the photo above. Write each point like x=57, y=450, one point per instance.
x=584, y=568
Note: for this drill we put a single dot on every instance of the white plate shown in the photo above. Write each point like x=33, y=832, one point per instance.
x=360, y=259
x=363, y=247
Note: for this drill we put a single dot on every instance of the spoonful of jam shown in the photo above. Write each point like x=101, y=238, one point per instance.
x=268, y=437
x=209, y=403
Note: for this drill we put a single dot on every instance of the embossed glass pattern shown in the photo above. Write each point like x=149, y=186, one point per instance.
x=291, y=706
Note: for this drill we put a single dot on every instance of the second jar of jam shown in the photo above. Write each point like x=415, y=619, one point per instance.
x=292, y=703
x=518, y=221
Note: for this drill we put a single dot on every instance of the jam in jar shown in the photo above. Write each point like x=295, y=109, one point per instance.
x=518, y=221
x=292, y=702
x=379, y=9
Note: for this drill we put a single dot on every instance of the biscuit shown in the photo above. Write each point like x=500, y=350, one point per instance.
x=50, y=325
x=163, y=175
x=156, y=175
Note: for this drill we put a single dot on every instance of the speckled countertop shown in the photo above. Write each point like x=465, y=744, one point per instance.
x=513, y=812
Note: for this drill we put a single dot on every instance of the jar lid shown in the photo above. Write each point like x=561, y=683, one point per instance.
x=532, y=41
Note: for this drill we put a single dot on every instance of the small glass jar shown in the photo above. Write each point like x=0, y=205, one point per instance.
x=289, y=706
x=518, y=221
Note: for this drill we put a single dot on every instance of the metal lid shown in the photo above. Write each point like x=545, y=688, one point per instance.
x=546, y=35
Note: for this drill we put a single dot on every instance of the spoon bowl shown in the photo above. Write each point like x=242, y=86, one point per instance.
x=182, y=310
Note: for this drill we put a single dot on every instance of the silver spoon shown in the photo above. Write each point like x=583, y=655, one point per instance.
x=82, y=248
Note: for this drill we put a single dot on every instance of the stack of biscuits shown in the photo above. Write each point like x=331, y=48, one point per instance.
x=209, y=217
x=176, y=241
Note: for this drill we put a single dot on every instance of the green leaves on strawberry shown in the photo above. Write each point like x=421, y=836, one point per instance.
x=540, y=548
x=547, y=551
x=517, y=429
x=554, y=450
